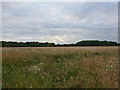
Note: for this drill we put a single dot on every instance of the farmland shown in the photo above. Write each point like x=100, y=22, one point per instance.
x=60, y=67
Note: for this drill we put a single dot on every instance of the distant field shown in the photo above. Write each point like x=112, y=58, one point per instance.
x=60, y=67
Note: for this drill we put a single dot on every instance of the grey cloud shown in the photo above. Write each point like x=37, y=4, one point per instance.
x=60, y=22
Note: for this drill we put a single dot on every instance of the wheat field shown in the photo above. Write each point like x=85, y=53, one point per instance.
x=60, y=67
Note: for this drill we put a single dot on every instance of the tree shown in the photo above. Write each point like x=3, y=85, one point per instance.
x=50, y=45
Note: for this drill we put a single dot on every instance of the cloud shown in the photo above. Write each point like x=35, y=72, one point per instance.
x=63, y=22
x=60, y=1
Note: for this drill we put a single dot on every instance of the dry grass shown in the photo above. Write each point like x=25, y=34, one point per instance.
x=60, y=67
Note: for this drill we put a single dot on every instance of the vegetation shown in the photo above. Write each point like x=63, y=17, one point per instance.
x=60, y=67
x=38, y=44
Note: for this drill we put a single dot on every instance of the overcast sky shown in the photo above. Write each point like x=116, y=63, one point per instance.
x=59, y=22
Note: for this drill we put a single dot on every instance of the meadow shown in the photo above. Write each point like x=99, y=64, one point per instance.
x=60, y=67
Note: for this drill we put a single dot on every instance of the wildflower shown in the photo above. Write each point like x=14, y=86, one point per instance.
x=63, y=80
x=42, y=77
x=24, y=60
x=76, y=78
x=58, y=78
x=111, y=66
x=59, y=60
x=71, y=77
x=39, y=69
x=41, y=63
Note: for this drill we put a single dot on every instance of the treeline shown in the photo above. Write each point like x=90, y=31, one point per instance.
x=46, y=44
x=26, y=44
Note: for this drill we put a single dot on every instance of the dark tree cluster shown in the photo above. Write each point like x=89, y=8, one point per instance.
x=96, y=43
x=46, y=44
x=25, y=44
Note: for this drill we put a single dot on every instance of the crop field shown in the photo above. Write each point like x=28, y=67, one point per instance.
x=60, y=67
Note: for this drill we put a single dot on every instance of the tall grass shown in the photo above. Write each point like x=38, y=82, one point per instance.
x=70, y=67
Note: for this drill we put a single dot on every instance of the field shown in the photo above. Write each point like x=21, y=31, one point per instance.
x=60, y=67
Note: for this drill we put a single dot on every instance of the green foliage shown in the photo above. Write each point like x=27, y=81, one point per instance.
x=37, y=44
x=50, y=45
x=96, y=43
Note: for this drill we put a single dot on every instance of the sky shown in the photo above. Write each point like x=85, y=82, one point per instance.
x=59, y=22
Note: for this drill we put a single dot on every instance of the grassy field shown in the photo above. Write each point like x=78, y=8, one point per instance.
x=60, y=67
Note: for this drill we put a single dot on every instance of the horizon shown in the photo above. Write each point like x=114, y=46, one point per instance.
x=61, y=23
x=57, y=43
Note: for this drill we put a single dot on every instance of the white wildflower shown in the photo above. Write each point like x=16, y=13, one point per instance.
x=41, y=63
x=63, y=80
x=39, y=69
x=59, y=60
x=111, y=66
x=71, y=77
x=42, y=77
x=24, y=60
